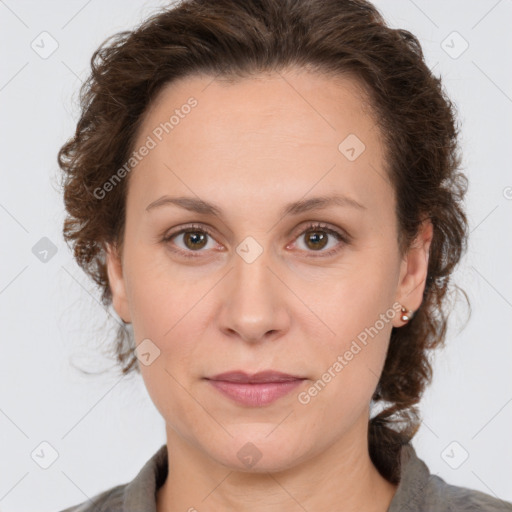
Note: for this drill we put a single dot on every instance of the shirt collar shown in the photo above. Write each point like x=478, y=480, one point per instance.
x=414, y=478
x=140, y=493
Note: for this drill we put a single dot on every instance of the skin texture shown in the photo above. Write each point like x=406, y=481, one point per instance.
x=251, y=147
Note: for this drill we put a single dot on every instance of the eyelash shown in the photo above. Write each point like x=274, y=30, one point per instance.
x=195, y=228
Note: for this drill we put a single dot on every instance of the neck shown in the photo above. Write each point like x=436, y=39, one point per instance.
x=341, y=478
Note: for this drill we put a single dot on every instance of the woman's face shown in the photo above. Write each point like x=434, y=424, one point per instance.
x=251, y=287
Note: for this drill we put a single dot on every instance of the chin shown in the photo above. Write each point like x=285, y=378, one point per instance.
x=261, y=452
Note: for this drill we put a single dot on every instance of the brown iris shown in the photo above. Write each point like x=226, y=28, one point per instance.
x=317, y=237
x=194, y=237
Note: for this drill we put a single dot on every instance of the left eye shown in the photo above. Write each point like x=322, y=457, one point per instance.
x=195, y=238
x=317, y=238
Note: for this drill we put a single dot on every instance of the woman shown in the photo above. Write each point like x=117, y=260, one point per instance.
x=268, y=193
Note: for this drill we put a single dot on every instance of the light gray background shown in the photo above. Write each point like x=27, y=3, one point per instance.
x=105, y=428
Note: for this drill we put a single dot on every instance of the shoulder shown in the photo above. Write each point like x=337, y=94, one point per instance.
x=442, y=496
x=138, y=495
x=419, y=490
x=110, y=500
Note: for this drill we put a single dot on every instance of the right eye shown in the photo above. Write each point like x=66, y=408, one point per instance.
x=194, y=238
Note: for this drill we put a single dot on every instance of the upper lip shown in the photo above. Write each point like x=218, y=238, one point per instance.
x=264, y=376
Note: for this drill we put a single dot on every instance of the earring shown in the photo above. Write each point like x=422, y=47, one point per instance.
x=406, y=314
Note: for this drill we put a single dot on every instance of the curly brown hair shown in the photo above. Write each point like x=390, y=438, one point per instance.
x=237, y=38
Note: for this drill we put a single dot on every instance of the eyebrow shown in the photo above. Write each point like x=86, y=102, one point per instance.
x=203, y=207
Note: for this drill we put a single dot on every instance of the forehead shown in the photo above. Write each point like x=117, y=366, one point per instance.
x=283, y=130
x=270, y=103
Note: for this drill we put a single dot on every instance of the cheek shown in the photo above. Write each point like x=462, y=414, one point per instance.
x=361, y=295
x=349, y=372
x=164, y=306
x=359, y=311
x=155, y=294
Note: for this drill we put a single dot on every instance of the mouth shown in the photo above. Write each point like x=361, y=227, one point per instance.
x=255, y=390
x=255, y=378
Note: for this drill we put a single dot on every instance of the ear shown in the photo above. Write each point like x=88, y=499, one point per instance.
x=413, y=271
x=117, y=283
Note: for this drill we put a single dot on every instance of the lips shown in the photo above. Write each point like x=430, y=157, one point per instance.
x=254, y=390
x=265, y=376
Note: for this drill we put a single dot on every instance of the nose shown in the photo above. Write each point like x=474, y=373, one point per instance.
x=254, y=301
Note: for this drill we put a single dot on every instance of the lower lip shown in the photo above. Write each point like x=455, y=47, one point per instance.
x=255, y=395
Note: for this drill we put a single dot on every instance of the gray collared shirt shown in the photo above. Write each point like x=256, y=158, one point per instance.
x=418, y=491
